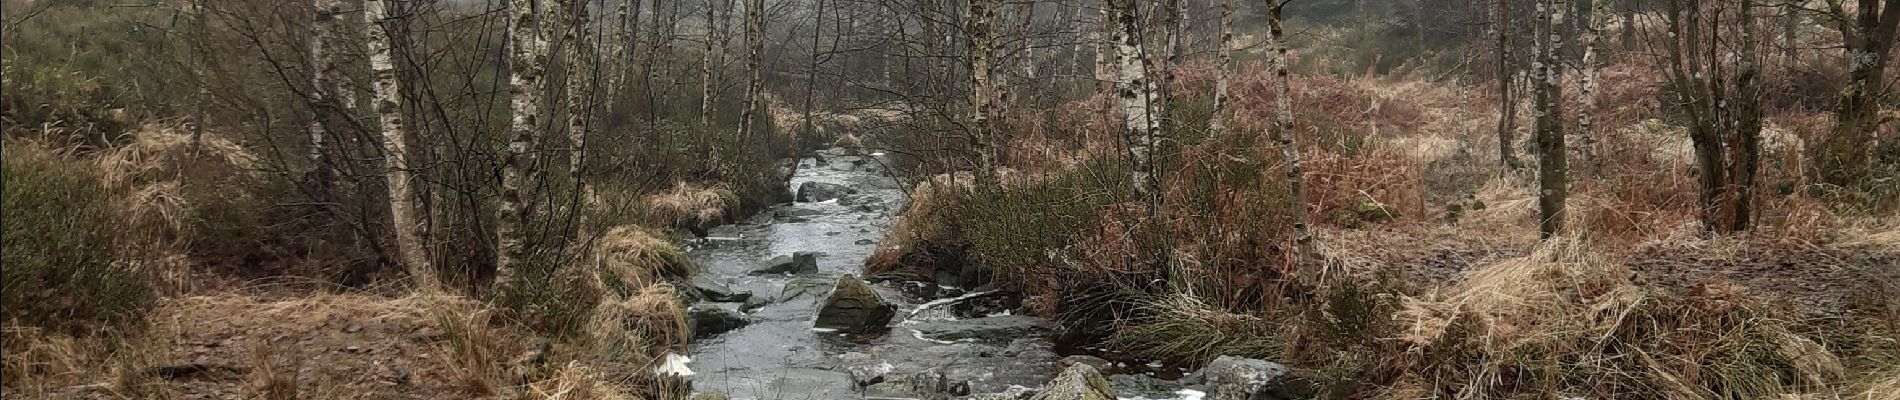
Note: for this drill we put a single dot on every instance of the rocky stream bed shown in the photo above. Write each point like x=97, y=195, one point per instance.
x=782, y=316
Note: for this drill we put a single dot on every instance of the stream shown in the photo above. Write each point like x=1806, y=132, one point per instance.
x=778, y=355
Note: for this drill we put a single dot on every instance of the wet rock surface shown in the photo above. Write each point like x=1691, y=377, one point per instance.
x=852, y=306
x=710, y=289
x=990, y=329
x=709, y=321
x=797, y=263
x=817, y=192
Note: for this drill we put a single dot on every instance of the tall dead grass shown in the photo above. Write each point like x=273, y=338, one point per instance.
x=1564, y=321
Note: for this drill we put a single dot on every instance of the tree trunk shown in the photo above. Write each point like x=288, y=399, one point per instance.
x=1746, y=123
x=388, y=102
x=1587, y=85
x=331, y=97
x=1845, y=157
x=1138, y=94
x=978, y=24
x=576, y=20
x=706, y=62
x=1547, y=93
x=527, y=50
x=755, y=44
x=1308, y=269
x=1217, y=123
x=1507, y=78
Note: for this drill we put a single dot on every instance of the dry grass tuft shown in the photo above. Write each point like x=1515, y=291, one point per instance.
x=574, y=382
x=688, y=204
x=632, y=257
x=1563, y=319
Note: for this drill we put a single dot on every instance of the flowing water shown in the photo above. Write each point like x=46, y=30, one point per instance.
x=779, y=356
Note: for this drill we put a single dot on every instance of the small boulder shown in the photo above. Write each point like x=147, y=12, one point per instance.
x=713, y=291
x=797, y=263
x=854, y=307
x=813, y=192
x=709, y=321
x=1239, y=378
x=1078, y=382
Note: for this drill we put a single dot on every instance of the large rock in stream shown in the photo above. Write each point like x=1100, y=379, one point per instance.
x=1239, y=378
x=1079, y=382
x=797, y=263
x=813, y=192
x=853, y=306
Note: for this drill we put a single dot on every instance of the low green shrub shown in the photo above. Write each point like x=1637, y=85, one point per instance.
x=60, y=237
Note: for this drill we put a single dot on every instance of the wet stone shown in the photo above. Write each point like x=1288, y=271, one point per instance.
x=804, y=287
x=710, y=321
x=988, y=329
x=854, y=307
x=714, y=291
x=814, y=192
x=797, y=263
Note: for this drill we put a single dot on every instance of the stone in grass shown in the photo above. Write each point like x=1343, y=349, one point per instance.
x=854, y=307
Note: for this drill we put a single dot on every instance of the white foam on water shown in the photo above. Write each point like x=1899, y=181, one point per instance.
x=1183, y=394
x=920, y=336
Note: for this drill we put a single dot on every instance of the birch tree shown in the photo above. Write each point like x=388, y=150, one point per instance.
x=706, y=62
x=527, y=60
x=388, y=103
x=330, y=97
x=1506, y=77
x=1282, y=132
x=1137, y=94
x=574, y=33
x=979, y=25
x=1547, y=97
x=1217, y=123
x=755, y=44
x=1592, y=64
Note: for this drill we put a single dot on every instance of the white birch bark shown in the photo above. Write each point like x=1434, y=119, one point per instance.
x=755, y=44
x=329, y=94
x=1217, y=123
x=527, y=50
x=982, y=99
x=1309, y=271
x=1137, y=93
x=388, y=103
